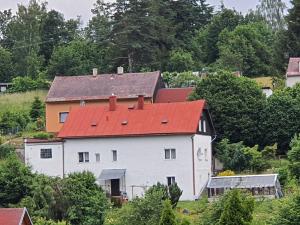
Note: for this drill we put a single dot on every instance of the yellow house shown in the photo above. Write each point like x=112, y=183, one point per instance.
x=70, y=91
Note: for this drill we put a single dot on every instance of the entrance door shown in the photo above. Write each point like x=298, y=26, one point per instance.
x=115, y=187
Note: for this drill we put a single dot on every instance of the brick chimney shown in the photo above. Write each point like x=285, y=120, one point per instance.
x=112, y=103
x=140, y=104
x=95, y=72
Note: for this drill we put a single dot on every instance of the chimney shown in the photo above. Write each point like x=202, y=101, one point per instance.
x=140, y=102
x=95, y=72
x=112, y=103
x=120, y=70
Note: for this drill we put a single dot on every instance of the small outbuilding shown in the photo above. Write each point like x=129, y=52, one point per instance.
x=14, y=216
x=266, y=185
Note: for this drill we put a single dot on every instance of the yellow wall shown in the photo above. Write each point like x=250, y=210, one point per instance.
x=53, y=109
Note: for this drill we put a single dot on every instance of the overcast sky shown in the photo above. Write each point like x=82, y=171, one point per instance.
x=73, y=8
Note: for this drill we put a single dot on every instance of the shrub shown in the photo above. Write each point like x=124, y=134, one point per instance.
x=44, y=221
x=269, y=152
x=167, y=216
x=23, y=84
x=37, y=109
x=226, y=173
x=174, y=194
x=42, y=135
x=6, y=150
x=13, y=122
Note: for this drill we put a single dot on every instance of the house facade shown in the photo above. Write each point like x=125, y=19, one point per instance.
x=293, y=72
x=67, y=92
x=130, y=149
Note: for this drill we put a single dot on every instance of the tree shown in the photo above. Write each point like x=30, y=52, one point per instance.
x=37, y=109
x=293, y=31
x=181, y=61
x=76, y=58
x=237, y=211
x=289, y=213
x=86, y=201
x=179, y=80
x=235, y=104
x=280, y=118
x=248, y=48
x=175, y=193
x=6, y=66
x=15, y=181
x=273, y=11
x=294, y=158
x=167, y=215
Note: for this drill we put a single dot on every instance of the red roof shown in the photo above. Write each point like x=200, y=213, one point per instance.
x=14, y=216
x=89, y=87
x=154, y=119
x=293, y=68
x=166, y=95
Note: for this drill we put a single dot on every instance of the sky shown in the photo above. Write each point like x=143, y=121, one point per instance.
x=82, y=8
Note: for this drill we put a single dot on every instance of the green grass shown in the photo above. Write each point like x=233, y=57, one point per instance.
x=20, y=101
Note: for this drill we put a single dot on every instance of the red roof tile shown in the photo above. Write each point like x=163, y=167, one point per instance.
x=88, y=87
x=13, y=216
x=293, y=68
x=166, y=95
x=154, y=119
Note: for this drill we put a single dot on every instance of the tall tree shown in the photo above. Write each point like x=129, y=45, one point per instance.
x=273, y=11
x=293, y=34
x=6, y=66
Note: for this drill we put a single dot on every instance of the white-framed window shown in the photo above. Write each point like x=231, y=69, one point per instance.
x=63, y=116
x=114, y=155
x=202, y=125
x=170, y=153
x=97, y=155
x=46, y=153
x=83, y=157
x=170, y=180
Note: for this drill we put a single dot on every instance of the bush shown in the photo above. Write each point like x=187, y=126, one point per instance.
x=37, y=109
x=6, y=150
x=23, y=84
x=174, y=194
x=167, y=215
x=42, y=135
x=13, y=122
x=226, y=173
x=44, y=221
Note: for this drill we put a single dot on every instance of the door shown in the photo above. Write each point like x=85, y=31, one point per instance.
x=115, y=187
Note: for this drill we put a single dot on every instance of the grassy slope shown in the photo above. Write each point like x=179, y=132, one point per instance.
x=20, y=101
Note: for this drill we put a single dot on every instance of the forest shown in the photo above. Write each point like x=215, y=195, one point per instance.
x=143, y=35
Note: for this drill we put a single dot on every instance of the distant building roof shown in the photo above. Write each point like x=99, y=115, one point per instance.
x=89, y=87
x=166, y=95
x=38, y=141
x=264, y=82
x=293, y=67
x=14, y=216
x=246, y=181
x=153, y=119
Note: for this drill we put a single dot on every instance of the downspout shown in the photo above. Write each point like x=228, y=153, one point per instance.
x=193, y=158
x=63, y=158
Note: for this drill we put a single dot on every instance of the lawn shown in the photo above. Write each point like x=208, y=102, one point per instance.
x=20, y=101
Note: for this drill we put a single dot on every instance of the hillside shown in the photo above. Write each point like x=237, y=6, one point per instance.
x=20, y=101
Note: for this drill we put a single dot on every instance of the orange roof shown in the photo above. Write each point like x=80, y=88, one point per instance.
x=14, y=216
x=153, y=119
x=166, y=95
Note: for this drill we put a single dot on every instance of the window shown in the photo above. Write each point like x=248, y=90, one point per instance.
x=202, y=125
x=114, y=155
x=170, y=180
x=63, y=116
x=97, y=157
x=170, y=153
x=83, y=156
x=46, y=153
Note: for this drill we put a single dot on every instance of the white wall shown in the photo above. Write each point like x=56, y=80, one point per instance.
x=267, y=91
x=50, y=167
x=142, y=157
x=291, y=81
x=203, y=162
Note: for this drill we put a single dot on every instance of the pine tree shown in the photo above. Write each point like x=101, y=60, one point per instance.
x=167, y=216
x=37, y=109
x=293, y=33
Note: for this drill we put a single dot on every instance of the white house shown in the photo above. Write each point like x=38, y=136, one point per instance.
x=293, y=72
x=131, y=148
